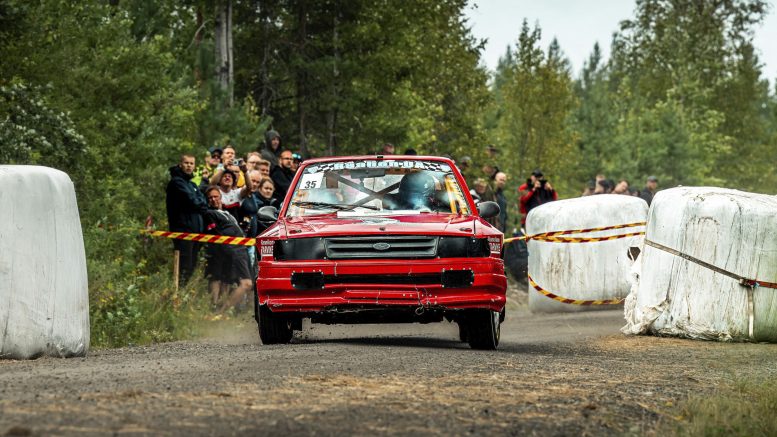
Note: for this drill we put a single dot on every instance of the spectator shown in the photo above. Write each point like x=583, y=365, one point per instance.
x=603, y=186
x=465, y=163
x=264, y=168
x=490, y=170
x=622, y=187
x=247, y=213
x=491, y=151
x=589, y=188
x=524, y=188
x=411, y=151
x=272, y=149
x=465, y=166
x=537, y=191
x=185, y=204
x=252, y=161
x=211, y=161
x=228, y=161
x=227, y=264
x=230, y=193
x=500, y=180
x=386, y=149
x=483, y=191
x=265, y=195
x=282, y=175
x=649, y=191
x=249, y=206
x=296, y=160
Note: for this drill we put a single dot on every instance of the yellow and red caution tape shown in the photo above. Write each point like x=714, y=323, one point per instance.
x=204, y=238
x=573, y=301
x=555, y=236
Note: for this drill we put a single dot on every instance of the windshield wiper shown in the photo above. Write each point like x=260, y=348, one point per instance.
x=337, y=206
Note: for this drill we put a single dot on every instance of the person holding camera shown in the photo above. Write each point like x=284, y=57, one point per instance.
x=536, y=191
x=231, y=163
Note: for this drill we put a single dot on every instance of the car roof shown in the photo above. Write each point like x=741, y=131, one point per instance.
x=378, y=157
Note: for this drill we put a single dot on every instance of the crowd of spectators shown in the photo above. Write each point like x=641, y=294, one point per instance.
x=601, y=185
x=223, y=196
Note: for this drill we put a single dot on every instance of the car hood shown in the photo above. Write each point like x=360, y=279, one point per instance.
x=331, y=225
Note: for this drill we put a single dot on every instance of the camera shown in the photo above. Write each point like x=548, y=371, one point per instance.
x=543, y=181
x=238, y=162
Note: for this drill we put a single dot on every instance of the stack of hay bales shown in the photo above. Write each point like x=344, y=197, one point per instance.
x=704, y=248
x=44, y=303
x=591, y=271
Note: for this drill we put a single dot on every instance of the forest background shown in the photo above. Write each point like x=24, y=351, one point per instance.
x=113, y=91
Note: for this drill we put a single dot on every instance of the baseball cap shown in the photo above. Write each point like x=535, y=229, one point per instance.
x=215, y=149
x=537, y=172
x=652, y=179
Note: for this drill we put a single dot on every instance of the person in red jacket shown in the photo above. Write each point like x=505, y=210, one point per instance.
x=536, y=191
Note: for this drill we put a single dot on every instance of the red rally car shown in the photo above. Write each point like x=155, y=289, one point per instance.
x=380, y=239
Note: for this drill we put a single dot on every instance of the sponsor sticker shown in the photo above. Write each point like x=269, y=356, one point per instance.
x=495, y=244
x=267, y=247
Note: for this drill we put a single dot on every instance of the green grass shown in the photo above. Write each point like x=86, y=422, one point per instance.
x=748, y=408
x=132, y=300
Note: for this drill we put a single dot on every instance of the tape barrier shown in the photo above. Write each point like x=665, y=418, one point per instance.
x=554, y=236
x=203, y=238
x=573, y=301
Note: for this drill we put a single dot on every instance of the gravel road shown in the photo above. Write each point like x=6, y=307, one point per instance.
x=571, y=374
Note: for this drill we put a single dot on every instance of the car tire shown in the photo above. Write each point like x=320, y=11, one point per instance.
x=273, y=329
x=484, y=330
x=463, y=335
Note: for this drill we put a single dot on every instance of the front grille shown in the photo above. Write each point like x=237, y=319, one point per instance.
x=396, y=246
x=421, y=279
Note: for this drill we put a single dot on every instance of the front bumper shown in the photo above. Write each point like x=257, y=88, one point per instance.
x=390, y=283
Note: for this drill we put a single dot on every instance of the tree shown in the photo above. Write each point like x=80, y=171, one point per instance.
x=537, y=102
x=696, y=58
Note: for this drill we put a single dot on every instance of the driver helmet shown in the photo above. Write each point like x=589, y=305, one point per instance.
x=416, y=189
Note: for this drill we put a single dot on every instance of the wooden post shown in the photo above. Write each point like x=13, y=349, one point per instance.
x=176, y=267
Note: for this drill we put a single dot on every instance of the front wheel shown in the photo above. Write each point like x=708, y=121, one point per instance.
x=463, y=334
x=484, y=330
x=273, y=329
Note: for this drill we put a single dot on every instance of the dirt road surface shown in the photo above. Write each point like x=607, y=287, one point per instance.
x=571, y=374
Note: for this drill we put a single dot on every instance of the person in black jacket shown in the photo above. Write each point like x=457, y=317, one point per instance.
x=185, y=204
x=283, y=175
x=227, y=264
x=272, y=147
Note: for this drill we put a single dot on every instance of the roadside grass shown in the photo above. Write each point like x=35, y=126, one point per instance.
x=132, y=299
x=747, y=408
x=147, y=311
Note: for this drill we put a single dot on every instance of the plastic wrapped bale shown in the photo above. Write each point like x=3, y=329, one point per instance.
x=44, y=302
x=704, y=250
x=566, y=267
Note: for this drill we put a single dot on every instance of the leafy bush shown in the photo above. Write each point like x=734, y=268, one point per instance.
x=132, y=299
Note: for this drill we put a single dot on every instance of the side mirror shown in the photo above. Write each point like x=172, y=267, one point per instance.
x=270, y=213
x=486, y=209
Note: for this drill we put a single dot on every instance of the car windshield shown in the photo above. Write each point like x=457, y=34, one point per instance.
x=377, y=187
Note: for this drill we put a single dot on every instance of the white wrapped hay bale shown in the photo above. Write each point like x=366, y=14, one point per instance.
x=44, y=303
x=583, y=271
x=703, y=249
